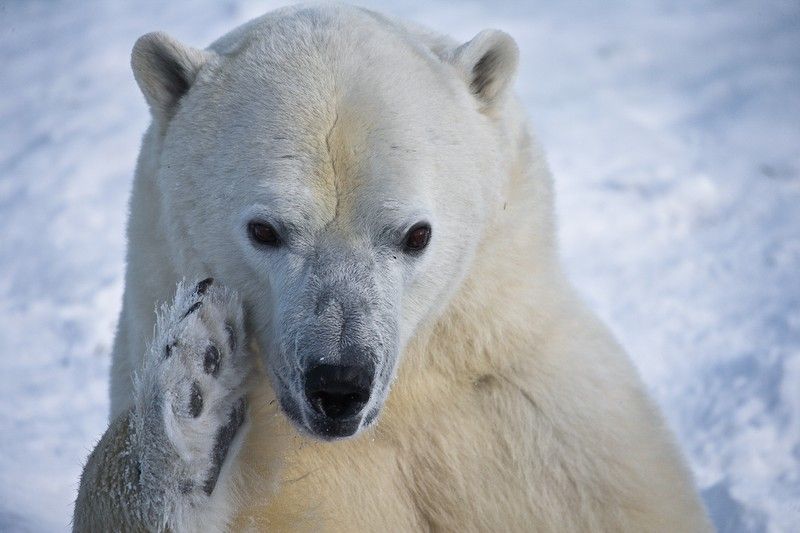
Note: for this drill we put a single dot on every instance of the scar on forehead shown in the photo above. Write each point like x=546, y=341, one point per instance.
x=345, y=147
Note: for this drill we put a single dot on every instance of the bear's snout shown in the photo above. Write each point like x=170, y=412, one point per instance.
x=339, y=392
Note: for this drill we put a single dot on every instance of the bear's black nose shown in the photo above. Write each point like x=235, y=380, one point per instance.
x=339, y=392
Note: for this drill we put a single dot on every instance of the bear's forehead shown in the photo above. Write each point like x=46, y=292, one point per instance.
x=346, y=159
x=325, y=110
x=338, y=124
x=342, y=170
x=331, y=82
x=331, y=33
x=302, y=61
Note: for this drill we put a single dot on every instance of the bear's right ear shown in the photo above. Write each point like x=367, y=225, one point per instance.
x=488, y=63
x=165, y=70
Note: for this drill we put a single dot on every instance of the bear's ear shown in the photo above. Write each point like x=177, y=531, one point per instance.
x=165, y=70
x=489, y=63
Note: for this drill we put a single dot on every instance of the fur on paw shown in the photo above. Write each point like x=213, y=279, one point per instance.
x=193, y=381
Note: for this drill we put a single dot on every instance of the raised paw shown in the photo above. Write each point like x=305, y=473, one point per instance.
x=194, y=380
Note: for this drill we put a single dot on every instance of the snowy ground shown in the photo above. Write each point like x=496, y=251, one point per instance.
x=673, y=129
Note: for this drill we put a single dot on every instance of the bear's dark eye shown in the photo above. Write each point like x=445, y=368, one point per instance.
x=263, y=233
x=417, y=238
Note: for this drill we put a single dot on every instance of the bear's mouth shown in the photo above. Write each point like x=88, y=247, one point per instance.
x=335, y=402
x=323, y=427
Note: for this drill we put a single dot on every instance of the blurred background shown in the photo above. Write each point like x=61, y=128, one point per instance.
x=673, y=131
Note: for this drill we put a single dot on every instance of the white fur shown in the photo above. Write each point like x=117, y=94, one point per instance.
x=511, y=407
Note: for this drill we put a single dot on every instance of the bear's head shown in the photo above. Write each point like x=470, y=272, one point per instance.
x=335, y=169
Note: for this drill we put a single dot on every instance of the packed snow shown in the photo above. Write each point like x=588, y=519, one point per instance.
x=673, y=130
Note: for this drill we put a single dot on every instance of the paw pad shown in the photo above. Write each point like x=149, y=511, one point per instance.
x=211, y=360
x=195, y=400
x=231, y=337
x=186, y=486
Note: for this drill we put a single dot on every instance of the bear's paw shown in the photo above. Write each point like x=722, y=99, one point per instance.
x=191, y=392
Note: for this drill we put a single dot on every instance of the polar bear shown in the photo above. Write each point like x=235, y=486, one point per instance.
x=383, y=338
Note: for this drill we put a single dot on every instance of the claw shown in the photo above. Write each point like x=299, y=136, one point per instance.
x=203, y=286
x=195, y=306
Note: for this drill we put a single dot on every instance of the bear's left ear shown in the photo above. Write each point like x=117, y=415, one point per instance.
x=489, y=63
x=165, y=70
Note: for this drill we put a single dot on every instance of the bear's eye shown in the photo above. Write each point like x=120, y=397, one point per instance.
x=417, y=238
x=263, y=233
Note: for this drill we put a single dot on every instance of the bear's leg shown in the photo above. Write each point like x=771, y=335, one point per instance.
x=166, y=463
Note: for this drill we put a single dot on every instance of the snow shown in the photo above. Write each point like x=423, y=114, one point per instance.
x=673, y=129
